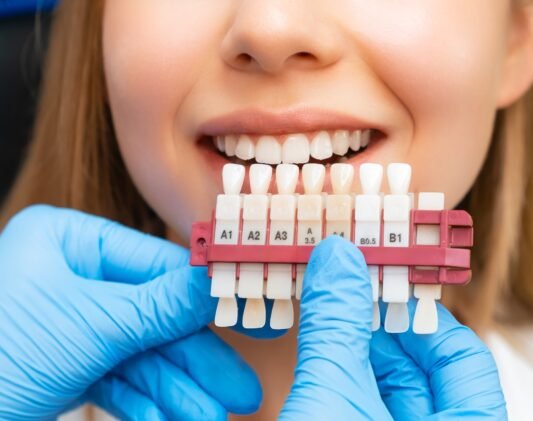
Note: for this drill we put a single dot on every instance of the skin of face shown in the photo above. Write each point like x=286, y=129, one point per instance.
x=430, y=73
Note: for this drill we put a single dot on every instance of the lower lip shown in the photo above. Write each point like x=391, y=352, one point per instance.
x=215, y=161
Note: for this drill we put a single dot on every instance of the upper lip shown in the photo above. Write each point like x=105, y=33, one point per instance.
x=298, y=120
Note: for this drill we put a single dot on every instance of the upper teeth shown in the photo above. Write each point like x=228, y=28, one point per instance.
x=294, y=148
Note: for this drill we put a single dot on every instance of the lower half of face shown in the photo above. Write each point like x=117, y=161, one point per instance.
x=193, y=86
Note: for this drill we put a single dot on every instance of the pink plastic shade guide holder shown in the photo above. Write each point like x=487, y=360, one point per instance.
x=445, y=264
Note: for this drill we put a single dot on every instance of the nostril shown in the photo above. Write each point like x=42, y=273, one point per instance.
x=305, y=55
x=243, y=59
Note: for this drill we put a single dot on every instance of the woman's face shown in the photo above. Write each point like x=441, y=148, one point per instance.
x=425, y=76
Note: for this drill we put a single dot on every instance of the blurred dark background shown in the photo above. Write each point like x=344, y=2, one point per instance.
x=24, y=28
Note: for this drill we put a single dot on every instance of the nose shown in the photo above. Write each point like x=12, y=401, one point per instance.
x=270, y=36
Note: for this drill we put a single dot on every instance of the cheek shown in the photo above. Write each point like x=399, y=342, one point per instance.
x=150, y=75
x=148, y=79
x=442, y=59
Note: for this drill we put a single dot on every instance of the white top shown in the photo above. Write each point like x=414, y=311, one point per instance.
x=514, y=357
x=515, y=364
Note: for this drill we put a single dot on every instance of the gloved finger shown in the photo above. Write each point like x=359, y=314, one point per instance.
x=333, y=371
x=98, y=248
x=217, y=369
x=131, y=318
x=403, y=386
x=170, y=387
x=461, y=370
x=336, y=303
x=122, y=400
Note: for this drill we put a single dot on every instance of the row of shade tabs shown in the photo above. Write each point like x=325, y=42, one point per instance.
x=285, y=217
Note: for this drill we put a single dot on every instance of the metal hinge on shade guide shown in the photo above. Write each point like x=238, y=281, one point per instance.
x=257, y=244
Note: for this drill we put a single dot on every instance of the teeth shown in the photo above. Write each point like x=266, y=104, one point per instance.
x=365, y=138
x=286, y=178
x=313, y=178
x=245, y=148
x=341, y=178
x=295, y=149
x=321, y=146
x=268, y=150
x=399, y=178
x=355, y=140
x=260, y=176
x=341, y=142
x=371, y=176
x=232, y=178
x=230, y=145
x=220, y=143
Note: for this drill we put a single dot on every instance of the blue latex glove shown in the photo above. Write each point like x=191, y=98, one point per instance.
x=83, y=303
x=343, y=373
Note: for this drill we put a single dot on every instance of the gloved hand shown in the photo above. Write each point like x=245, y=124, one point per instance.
x=343, y=373
x=83, y=303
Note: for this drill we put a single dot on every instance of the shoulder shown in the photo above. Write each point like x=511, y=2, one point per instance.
x=512, y=349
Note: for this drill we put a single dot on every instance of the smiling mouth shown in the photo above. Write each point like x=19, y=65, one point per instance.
x=322, y=146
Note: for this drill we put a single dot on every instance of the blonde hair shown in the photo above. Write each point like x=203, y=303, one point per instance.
x=74, y=161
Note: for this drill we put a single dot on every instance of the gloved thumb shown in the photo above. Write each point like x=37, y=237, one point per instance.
x=336, y=304
x=333, y=368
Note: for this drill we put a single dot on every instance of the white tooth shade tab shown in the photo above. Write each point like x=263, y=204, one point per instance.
x=260, y=177
x=245, y=148
x=227, y=312
x=309, y=214
x=397, y=318
x=371, y=176
x=321, y=147
x=313, y=176
x=282, y=315
x=431, y=201
x=295, y=149
x=396, y=289
x=223, y=281
x=341, y=178
x=368, y=225
x=399, y=178
x=230, y=143
x=254, y=230
x=232, y=178
x=282, y=221
x=286, y=178
x=425, y=320
x=341, y=142
x=339, y=204
x=268, y=150
x=254, y=316
x=227, y=221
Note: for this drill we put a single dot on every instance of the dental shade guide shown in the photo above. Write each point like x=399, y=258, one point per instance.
x=396, y=212
x=280, y=286
x=227, y=221
x=257, y=245
x=309, y=214
x=254, y=223
x=368, y=225
x=425, y=318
